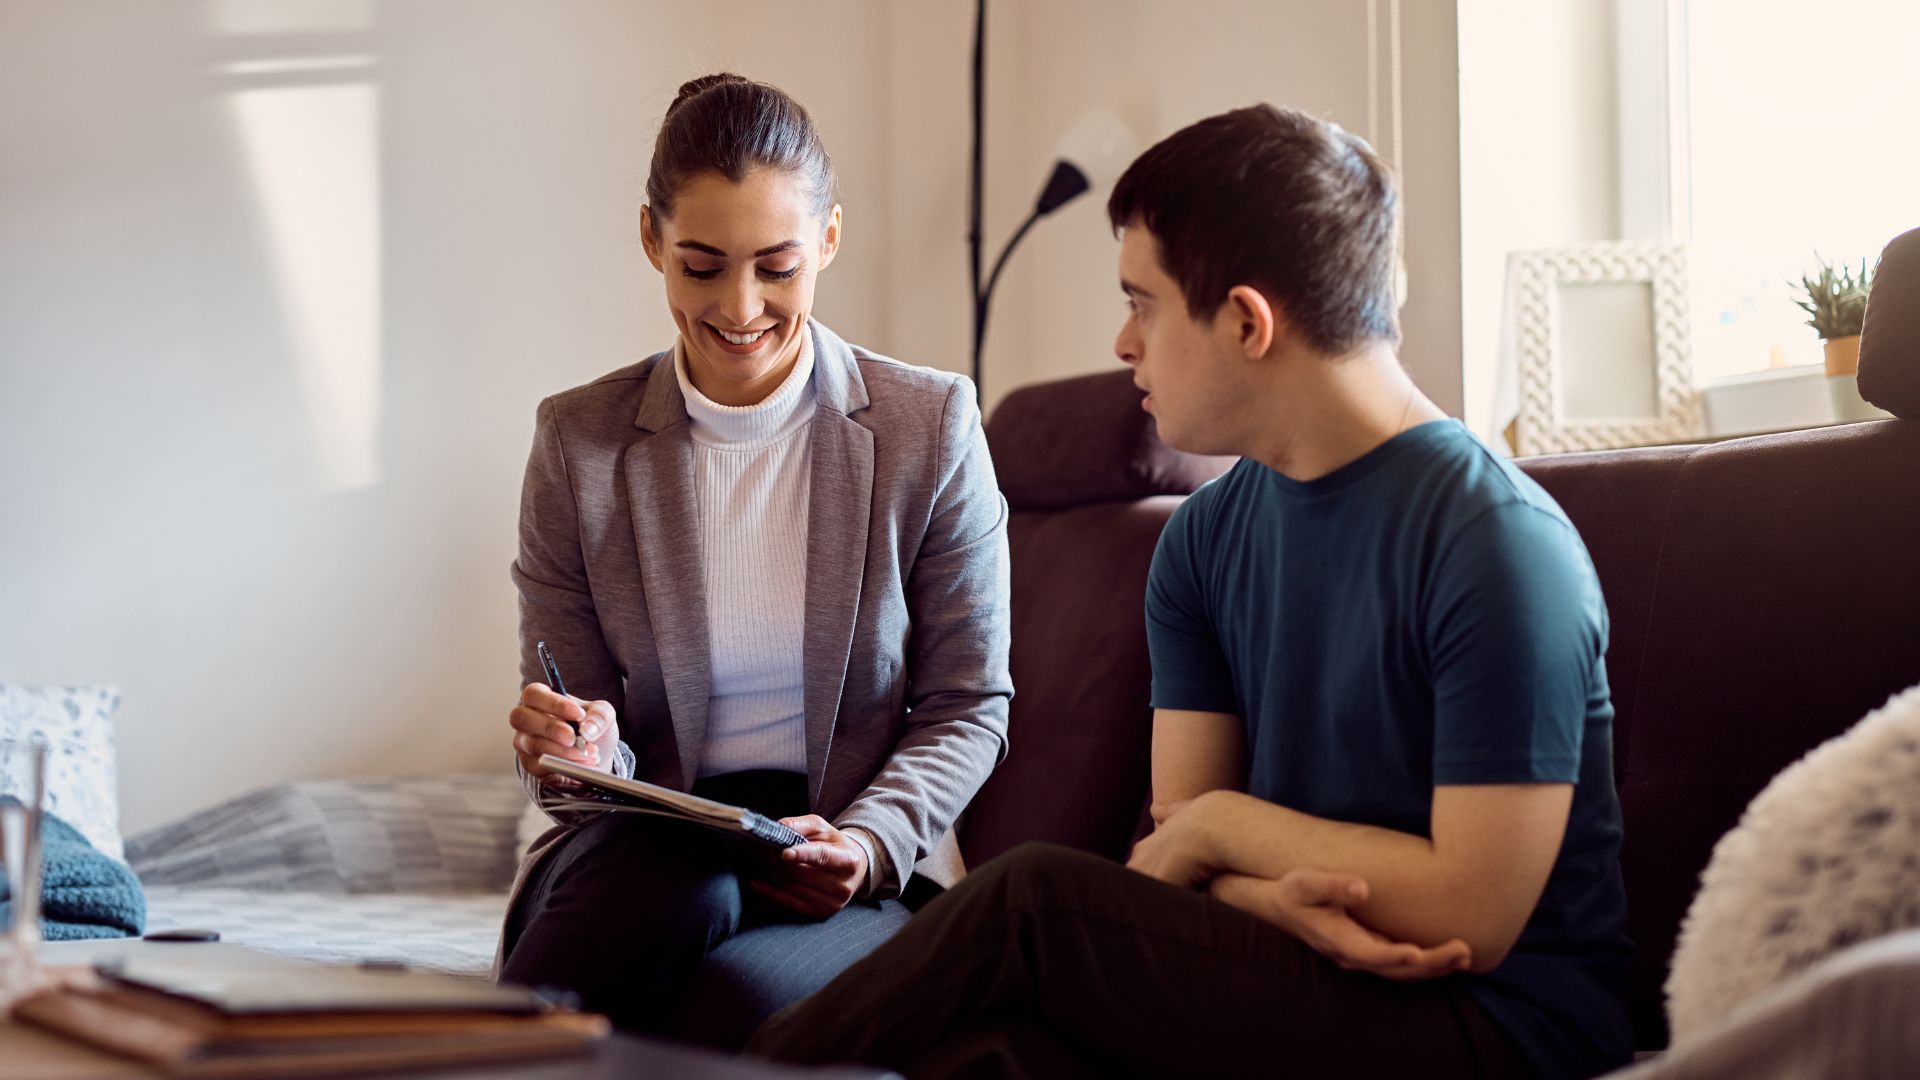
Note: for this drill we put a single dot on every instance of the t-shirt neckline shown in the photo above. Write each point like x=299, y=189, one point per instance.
x=1423, y=434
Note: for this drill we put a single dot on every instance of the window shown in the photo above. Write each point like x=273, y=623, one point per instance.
x=1796, y=134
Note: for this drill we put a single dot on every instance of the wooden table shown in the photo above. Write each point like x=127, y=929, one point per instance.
x=28, y=1053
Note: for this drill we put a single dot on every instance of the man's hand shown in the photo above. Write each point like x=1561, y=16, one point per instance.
x=817, y=878
x=1181, y=850
x=1317, y=907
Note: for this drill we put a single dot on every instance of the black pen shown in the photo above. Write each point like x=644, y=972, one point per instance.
x=558, y=687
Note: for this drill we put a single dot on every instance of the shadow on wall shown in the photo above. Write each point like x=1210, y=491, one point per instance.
x=192, y=338
x=299, y=86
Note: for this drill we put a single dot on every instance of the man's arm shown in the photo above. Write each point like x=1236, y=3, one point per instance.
x=1194, y=753
x=1476, y=880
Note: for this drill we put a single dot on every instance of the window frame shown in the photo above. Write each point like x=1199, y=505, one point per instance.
x=1650, y=80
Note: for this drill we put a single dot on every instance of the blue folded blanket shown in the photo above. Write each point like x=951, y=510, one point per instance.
x=83, y=894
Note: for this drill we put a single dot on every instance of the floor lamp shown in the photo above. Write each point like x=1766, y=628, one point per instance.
x=1091, y=153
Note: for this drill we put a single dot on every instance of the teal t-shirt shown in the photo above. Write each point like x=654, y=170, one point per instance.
x=1424, y=615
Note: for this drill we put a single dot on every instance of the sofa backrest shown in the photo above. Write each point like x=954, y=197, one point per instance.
x=1764, y=594
x=1089, y=485
x=1890, y=338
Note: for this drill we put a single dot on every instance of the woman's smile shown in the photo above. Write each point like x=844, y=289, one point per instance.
x=741, y=343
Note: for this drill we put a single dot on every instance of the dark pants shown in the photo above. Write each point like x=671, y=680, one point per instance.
x=1052, y=962
x=649, y=921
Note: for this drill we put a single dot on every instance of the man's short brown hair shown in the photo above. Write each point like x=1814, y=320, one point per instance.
x=1272, y=198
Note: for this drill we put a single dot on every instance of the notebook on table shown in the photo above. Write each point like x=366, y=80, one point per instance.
x=604, y=791
x=275, y=1017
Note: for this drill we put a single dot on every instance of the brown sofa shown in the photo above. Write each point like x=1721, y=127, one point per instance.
x=1764, y=595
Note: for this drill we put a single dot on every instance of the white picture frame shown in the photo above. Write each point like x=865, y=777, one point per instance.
x=1601, y=336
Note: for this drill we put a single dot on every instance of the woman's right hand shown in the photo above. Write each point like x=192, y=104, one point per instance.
x=540, y=726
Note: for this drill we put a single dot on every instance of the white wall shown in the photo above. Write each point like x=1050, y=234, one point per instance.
x=286, y=540
x=1538, y=154
x=1161, y=66
x=172, y=520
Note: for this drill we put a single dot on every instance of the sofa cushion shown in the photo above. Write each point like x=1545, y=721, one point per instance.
x=82, y=781
x=452, y=932
x=1086, y=440
x=1890, y=340
x=1080, y=728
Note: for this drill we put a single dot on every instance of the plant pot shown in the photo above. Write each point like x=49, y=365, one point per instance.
x=1843, y=355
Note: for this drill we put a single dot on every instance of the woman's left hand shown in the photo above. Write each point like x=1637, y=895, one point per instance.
x=817, y=878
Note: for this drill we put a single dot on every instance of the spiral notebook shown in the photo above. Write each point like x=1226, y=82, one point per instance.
x=604, y=791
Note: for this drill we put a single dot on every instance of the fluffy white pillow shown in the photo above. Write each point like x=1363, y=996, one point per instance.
x=83, y=787
x=1826, y=856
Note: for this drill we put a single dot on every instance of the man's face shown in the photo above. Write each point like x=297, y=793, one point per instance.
x=1177, y=359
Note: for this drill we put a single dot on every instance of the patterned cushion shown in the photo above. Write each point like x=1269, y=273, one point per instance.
x=401, y=834
x=82, y=784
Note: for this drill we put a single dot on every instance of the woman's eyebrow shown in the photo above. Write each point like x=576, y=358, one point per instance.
x=784, y=245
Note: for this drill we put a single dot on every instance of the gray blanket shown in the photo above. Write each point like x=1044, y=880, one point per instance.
x=1852, y=1015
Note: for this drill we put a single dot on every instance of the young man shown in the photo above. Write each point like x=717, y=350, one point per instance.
x=1382, y=755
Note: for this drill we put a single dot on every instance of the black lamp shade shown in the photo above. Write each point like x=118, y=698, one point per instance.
x=1065, y=185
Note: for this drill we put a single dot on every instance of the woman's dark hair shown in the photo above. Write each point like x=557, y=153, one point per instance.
x=731, y=125
x=1272, y=198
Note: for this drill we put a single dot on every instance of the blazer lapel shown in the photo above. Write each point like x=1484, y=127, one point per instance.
x=660, y=493
x=839, y=501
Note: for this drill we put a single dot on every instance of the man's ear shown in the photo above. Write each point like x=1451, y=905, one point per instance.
x=649, y=239
x=1251, y=320
x=830, y=239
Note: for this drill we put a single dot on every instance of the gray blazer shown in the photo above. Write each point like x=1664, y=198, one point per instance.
x=907, y=621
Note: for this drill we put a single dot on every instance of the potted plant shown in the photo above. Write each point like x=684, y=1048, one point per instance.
x=1836, y=305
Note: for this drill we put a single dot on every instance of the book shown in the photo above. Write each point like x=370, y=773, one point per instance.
x=239, y=982
x=604, y=791
x=326, y=1031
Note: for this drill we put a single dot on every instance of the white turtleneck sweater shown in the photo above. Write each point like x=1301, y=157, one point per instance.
x=751, y=468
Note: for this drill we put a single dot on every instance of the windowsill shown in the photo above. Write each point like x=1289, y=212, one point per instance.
x=1791, y=371
x=1763, y=402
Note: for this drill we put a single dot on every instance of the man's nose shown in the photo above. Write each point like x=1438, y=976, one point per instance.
x=1126, y=346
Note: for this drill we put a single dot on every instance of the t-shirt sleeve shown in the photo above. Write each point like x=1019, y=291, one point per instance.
x=1189, y=666
x=1517, y=633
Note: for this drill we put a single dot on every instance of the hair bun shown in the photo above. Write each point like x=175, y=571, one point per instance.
x=693, y=88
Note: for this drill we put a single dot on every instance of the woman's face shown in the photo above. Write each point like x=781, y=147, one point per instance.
x=740, y=262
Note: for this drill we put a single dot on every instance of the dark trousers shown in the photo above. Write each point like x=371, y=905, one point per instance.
x=650, y=922
x=1053, y=962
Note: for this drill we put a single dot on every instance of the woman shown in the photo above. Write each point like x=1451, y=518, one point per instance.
x=772, y=568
